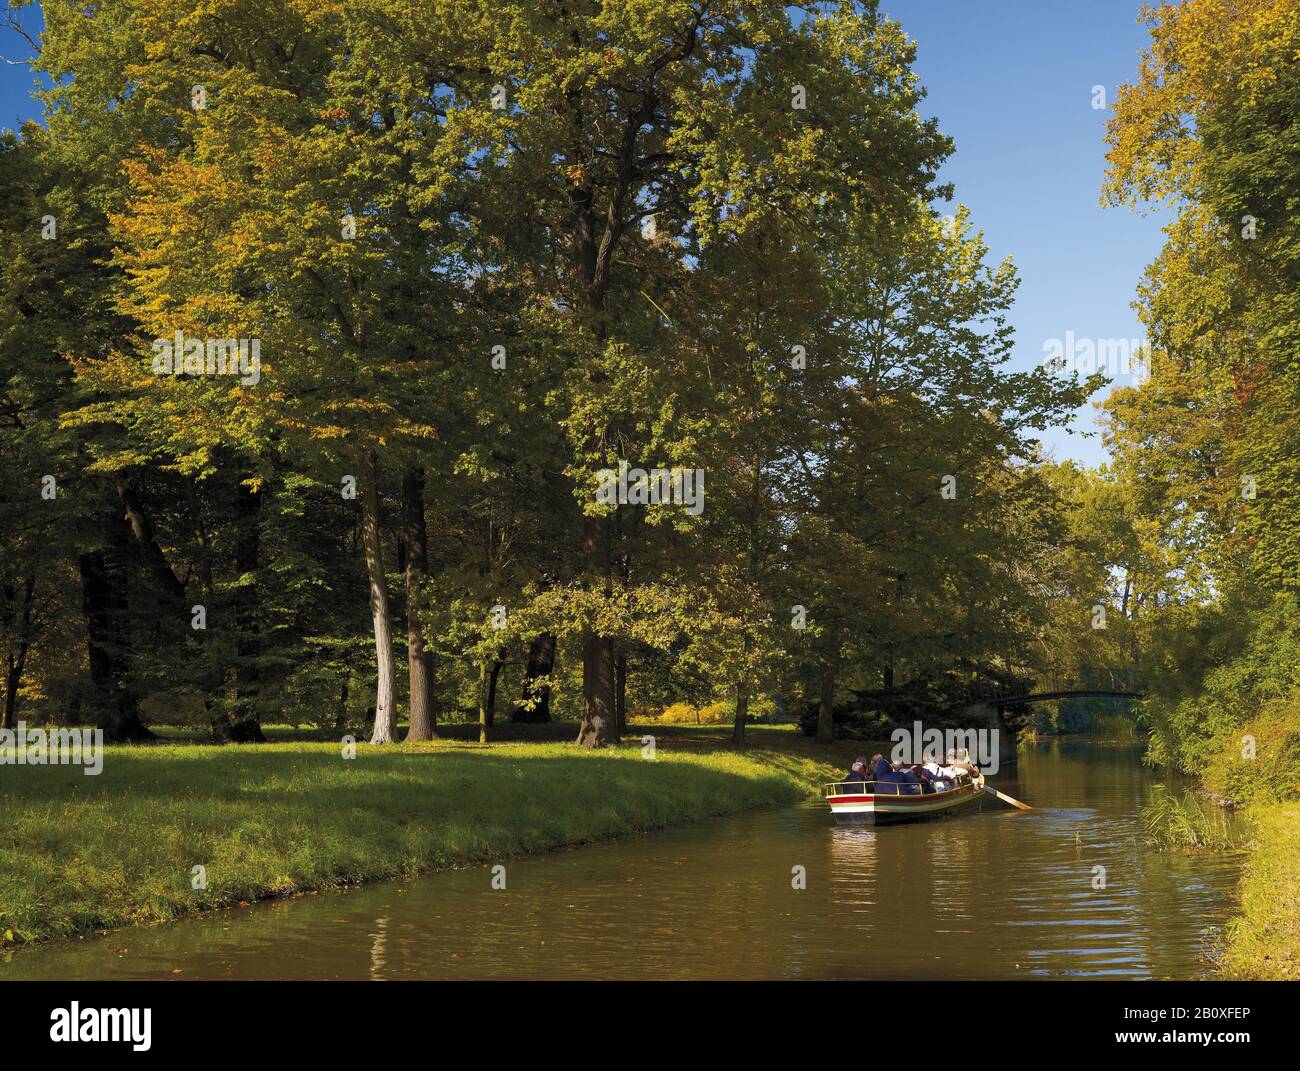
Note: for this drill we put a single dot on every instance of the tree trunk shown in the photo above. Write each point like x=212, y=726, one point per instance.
x=826, y=705
x=108, y=642
x=826, y=698
x=147, y=545
x=12, y=679
x=17, y=663
x=482, y=703
x=742, y=714
x=415, y=542
x=541, y=664
x=385, y=709
x=599, y=726
x=341, y=711
x=620, y=691
x=240, y=725
x=490, y=715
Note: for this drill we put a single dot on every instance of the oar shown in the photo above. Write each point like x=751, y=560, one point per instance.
x=1007, y=799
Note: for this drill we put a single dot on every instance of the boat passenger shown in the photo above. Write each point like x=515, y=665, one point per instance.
x=932, y=774
x=956, y=771
x=857, y=774
x=884, y=772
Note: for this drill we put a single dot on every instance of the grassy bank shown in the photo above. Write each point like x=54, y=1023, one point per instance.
x=80, y=854
x=1264, y=938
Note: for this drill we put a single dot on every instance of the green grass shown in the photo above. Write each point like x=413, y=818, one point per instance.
x=82, y=854
x=1185, y=823
x=1264, y=938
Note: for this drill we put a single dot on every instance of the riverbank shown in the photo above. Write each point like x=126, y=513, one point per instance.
x=80, y=855
x=1264, y=939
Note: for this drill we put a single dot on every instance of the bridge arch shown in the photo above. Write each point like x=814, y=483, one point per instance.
x=1070, y=693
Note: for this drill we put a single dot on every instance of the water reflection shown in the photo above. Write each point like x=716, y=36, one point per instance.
x=1002, y=894
x=378, y=945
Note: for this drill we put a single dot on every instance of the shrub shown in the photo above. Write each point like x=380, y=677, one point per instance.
x=1259, y=761
x=689, y=714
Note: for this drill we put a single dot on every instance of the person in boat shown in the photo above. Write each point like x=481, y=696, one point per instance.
x=941, y=778
x=955, y=772
x=929, y=782
x=857, y=775
x=883, y=772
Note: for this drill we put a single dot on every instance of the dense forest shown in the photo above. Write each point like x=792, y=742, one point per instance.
x=327, y=330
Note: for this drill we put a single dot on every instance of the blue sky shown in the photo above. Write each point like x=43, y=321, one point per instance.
x=1012, y=82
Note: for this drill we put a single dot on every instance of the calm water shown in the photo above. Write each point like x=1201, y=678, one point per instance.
x=995, y=895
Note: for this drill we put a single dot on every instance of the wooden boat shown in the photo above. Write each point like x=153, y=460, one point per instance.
x=871, y=803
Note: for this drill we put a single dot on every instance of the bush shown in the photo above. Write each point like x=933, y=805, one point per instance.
x=723, y=712
x=1259, y=762
x=1263, y=671
x=689, y=714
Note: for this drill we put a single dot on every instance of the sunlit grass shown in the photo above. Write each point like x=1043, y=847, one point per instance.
x=80, y=854
x=1264, y=938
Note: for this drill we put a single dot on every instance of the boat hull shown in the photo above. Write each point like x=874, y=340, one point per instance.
x=872, y=809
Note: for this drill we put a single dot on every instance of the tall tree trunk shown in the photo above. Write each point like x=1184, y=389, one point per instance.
x=108, y=639
x=742, y=716
x=385, y=709
x=415, y=542
x=341, y=711
x=482, y=703
x=244, y=725
x=541, y=664
x=18, y=662
x=490, y=711
x=826, y=696
x=620, y=691
x=13, y=677
x=147, y=545
x=599, y=726
x=826, y=706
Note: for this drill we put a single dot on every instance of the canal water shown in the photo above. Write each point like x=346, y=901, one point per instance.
x=1000, y=894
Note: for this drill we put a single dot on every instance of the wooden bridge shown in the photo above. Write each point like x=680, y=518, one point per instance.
x=1014, y=699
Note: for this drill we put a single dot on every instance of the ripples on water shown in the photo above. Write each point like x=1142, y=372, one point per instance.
x=996, y=895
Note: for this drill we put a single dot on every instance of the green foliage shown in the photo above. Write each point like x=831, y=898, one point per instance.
x=1115, y=728
x=1258, y=762
x=1258, y=676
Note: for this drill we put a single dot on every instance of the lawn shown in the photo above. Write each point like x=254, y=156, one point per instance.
x=1264, y=939
x=81, y=854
